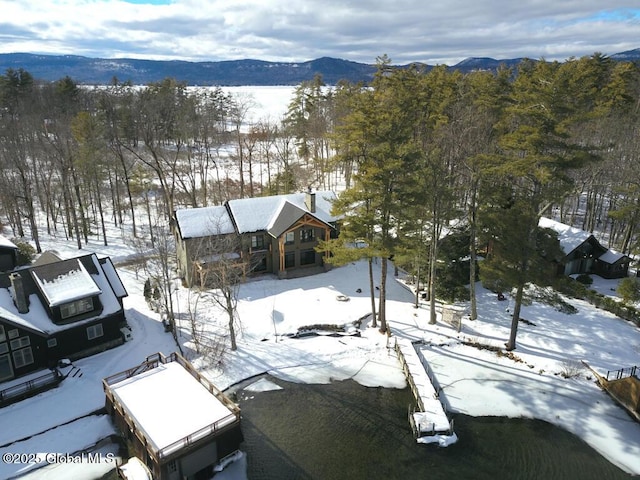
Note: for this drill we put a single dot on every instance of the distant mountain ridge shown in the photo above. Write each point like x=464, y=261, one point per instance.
x=101, y=71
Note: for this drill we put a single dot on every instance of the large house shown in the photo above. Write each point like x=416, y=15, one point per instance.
x=276, y=234
x=584, y=254
x=58, y=309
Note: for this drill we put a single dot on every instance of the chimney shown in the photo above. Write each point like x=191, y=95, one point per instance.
x=19, y=297
x=310, y=200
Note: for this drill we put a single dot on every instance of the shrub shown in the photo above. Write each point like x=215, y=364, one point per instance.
x=571, y=288
x=584, y=279
x=629, y=289
x=26, y=253
x=571, y=369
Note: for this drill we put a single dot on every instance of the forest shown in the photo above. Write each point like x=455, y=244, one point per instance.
x=433, y=168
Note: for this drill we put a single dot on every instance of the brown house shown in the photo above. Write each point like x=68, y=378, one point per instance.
x=276, y=234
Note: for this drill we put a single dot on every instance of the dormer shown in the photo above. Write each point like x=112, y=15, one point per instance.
x=68, y=291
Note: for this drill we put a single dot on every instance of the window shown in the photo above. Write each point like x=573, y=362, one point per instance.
x=307, y=257
x=76, y=308
x=52, y=342
x=4, y=348
x=6, y=371
x=307, y=235
x=257, y=241
x=13, y=333
x=94, y=331
x=23, y=357
x=289, y=260
x=3, y=337
x=20, y=343
x=260, y=264
x=289, y=238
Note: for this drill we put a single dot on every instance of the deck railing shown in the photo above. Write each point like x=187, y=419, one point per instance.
x=623, y=373
x=150, y=363
x=35, y=385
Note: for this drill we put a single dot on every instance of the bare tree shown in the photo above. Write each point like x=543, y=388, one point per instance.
x=219, y=265
x=159, y=268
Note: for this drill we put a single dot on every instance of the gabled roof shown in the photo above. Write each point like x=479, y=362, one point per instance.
x=285, y=216
x=249, y=215
x=108, y=286
x=611, y=257
x=570, y=237
x=256, y=214
x=204, y=222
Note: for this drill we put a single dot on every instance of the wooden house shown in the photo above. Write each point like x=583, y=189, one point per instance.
x=276, y=234
x=63, y=309
x=175, y=422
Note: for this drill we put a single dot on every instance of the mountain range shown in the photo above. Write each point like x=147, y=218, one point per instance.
x=101, y=71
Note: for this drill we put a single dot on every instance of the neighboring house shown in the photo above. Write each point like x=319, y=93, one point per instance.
x=175, y=422
x=8, y=254
x=584, y=254
x=64, y=309
x=276, y=234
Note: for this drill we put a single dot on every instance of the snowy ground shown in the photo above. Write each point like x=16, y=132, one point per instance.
x=474, y=382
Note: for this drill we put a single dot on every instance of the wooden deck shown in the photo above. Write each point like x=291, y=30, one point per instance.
x=429, y=420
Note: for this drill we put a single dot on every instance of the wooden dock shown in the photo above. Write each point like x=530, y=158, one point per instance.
x=429, y=420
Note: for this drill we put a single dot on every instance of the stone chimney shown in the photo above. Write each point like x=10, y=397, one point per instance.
x=310, y=200
x=19, y=296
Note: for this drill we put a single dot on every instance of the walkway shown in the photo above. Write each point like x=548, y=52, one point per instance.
x=429, y=422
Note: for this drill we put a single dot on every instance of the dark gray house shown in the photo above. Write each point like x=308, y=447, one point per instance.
x=8, y=254
x=584, y=254
x=65, y=309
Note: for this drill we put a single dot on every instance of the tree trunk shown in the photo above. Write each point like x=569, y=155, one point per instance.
x=432, y=272
x=473, y=314
x=382, y=308
x=511, y=344
x=372, y=290
x=232, y=333
x=101, y=212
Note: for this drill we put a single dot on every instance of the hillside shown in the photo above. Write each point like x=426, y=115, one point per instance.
x=99, y=71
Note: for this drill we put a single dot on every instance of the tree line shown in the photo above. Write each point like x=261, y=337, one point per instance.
x=440, y=156
x=75, y=158
x=435, y=165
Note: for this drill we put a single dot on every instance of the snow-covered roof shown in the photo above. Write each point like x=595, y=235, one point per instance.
x=256, y=214
x=37, y=318
x=285, y=216
x=611, y=257
x=67, y=286
x=113, y=277
x=169, y=404
x=570, y=237
x=5, y=242
x=204, y=222
x=249, y=214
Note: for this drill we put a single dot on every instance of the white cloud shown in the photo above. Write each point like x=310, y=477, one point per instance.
x=298, y=30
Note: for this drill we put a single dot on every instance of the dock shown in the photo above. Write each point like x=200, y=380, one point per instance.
x=428, y=419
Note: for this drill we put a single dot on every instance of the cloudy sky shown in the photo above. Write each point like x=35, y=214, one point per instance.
x=435, y=32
